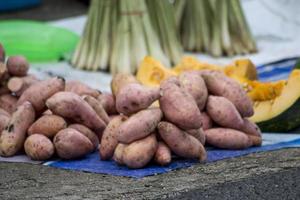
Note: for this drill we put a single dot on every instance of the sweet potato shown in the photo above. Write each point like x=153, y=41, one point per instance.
x=18, y=85
x=109, y=139
x=13, y=137
x=108, y=102
x=198, y=134
x=81, y=88
x=71, y=144
x=253, y=131
x=139, y=153
x=72, y=106
x=139, y=125
x=120, y=80
x=118, y=154
x=206, y=121
x=226, y=138
x=195, y=85
x=223, y=112
x=87, y=132
x=17, y=65
x=180, y=142
x=220, y=85
x=98, y=108
x=37, y=94
x=4, y=120
x=4, y=89
x=8, y=102
x=178, y=106
x=2, y=53
x=38, y=147
x=47, y=125
x=47, y=112
x=135, y=97
x=163, y=154
x=4, y=112
x=3, y=72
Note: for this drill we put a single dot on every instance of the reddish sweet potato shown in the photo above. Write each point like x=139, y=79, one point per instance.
x=8, y=102
x=4, y=120
x=135, y=97
x=108, y=102
x=253, y=131
x=17, y=66
x=38, y=147
x=195, y=85
x=226, y=138
x=18, y=85
x=109, y=139
x=139, y=125
x=81, y=89
x=13, y=137
x=180, y=142
x=206, y=121
x=98, y=108
x=70, y=105
x=37, y=94
x=223, y=112
x=220, y=85
x=87, y=132
x=71, y=144
x=139, y=153
x=163, y=154
x=47, y=125
x=178, y=106
x=118, y=154
x=198, y=134
x=3, y=72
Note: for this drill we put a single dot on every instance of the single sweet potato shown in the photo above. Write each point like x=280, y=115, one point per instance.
x=163, y=154
x=253, y=131
x=17, y=65
x=139, y=153
x=178, y=106
x=195, y=85
x=180, y=142
x=139, y=125
x=109, y=139
x=135, y=97
x=98, y=108
x=198, y=134
x=37, y=94
x=47, y=125
x=220, y=85
x=87, y=132
x=71, y=144
x=226, y=138
x=120, y=80
x=13, y=137
x=4, y=120
x=18, y=85
x=72, y=106
x=118, y=154
x=223, y=112
x=2, y=53
x=38, y=147
x=8, y=102
x=206, y=121
x=81, y=88
x=108, y=102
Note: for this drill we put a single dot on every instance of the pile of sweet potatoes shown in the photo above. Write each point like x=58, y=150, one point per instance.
x=134, y=125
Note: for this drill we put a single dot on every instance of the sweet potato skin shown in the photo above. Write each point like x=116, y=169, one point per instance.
x=134, y=97
x=71, y=144
x=8, y=102
x=109, y=139
x=18, y=85
x=70, y=105
x=139, y=125
x=80, y=88
x=44, y=89
x=198, y=134
x=98, y=108
x=47, y=125
x=4, y=120
x=226, y=138
x=120, y=80
x=17, y=65
x=87, y=132
x=195, y=85
x=220, y=85
x=108, y=102
x=178, y=106
x=118, y=154
x=139, y=153
x=223, y=112
x=163, y=154
x=180, y=142
x=253, y=131
x=206, y=121
x=38, y=147
x=13, y=137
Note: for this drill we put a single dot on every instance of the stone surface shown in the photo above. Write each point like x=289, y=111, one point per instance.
x=268, y=175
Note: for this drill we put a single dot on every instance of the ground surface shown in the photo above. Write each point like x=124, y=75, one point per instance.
x=270, y=175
